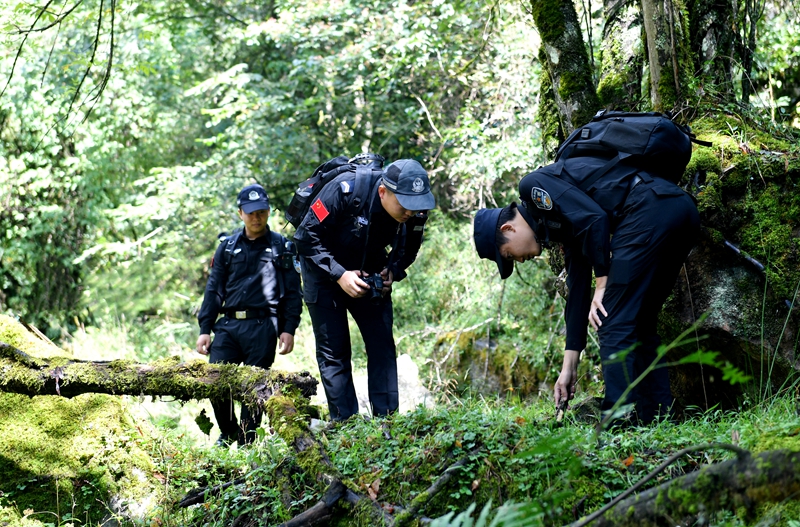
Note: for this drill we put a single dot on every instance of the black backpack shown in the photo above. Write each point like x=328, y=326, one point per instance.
x=362, y=164
x=602, y=157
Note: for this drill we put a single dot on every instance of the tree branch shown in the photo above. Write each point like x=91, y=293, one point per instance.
x=197, y=379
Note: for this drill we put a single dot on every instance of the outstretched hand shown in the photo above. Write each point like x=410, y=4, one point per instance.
x=564, y=389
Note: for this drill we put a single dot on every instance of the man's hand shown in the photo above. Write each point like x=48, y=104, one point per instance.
x=388, y=280
x=597, y=303
x=203, y=343
x=352, y=284
x=285, y=343
x=565, y=385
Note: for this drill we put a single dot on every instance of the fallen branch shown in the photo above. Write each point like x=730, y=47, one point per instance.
x=426, y=496
x=739, y=484
x=199, y=495
x=322, y=510
x=197, y=379
x=289, y=418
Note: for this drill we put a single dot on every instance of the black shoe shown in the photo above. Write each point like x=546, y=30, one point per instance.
x=224, y=441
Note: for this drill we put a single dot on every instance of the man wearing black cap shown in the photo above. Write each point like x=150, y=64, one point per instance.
x=343, y=248
x=634, y=271
x=255, y=286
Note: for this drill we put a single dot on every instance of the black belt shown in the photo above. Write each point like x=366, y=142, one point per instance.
x=244, y=314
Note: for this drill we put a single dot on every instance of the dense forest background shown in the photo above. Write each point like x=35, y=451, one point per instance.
x=127, y=128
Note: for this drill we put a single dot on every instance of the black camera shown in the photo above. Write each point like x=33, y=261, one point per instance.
x=375, y=283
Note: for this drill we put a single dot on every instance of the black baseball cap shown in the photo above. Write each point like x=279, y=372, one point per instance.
x=483, y=231
x=253, y=198
x=409, y=182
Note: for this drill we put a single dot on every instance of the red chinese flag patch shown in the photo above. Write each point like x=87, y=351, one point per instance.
x=319, y=210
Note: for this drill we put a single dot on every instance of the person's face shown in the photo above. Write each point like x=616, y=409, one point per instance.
x=393, y=207
x=521, y=245
x=255, y=222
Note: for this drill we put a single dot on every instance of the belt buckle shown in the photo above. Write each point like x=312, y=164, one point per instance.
x=241, y=315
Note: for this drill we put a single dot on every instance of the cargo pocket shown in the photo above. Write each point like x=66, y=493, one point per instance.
x=626, y=249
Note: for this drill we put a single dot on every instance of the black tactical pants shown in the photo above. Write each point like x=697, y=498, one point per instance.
x=332, y=333
x=659, y=228
x=251, y=342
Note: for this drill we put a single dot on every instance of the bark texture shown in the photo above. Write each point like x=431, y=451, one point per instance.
x=712, y=42
x=620, y=85
x=566, y=62
x=667, y=52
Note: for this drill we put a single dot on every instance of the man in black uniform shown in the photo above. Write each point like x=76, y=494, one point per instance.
x=255, y=285
x=342, y=246
x=635, y=270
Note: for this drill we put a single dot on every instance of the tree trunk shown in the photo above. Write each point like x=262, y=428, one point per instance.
x=741, y=484
x=620, y=85
x=22, y=373
x=667, y=52
x=712, y=42
x=566, y=62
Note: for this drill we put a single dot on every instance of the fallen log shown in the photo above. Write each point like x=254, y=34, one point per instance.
x=288, y=416
x=740, y=485
x=196, y=379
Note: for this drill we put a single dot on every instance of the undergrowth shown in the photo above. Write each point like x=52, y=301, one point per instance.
x=515, y=454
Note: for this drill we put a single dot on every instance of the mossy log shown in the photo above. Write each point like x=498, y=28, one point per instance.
x=197, y=379
x=740, y=484
x=288, y=416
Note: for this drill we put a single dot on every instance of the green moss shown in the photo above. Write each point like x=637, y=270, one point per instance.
x=489, y=369
x=67, y=456
x=549, y=19
x=779, y=440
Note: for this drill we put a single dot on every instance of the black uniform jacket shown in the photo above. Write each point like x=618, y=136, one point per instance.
x=335, y=236
x=560, y=212
x=252, y=280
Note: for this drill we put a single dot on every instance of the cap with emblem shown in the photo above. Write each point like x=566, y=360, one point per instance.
x=409, y=182
x=483, y=231
x=253, y=198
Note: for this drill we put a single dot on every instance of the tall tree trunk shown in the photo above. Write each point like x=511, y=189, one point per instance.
x=620, y=85
x=712, y=42
x=565, y=61
x=667, y=52
x=751, y=13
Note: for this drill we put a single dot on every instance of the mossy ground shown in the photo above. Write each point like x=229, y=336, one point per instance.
x=66, y=461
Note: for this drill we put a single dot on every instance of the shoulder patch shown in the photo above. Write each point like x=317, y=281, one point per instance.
x=319, y=210
x=541, y=198
x=346, y=187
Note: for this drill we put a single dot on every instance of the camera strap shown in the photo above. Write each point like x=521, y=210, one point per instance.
x=372, y=195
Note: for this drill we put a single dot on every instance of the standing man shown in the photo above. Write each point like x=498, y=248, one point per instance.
x=657, y=227
x=255, y=286
x=346, y=268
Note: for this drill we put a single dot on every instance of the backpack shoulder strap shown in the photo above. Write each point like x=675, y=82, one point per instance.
x=230, y=244
x=277, y=242
x=365, y=180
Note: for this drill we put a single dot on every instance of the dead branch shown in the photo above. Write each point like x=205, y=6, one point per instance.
x=426, y=496
x=322, y=510
x=197, y=379
x=740, y=484
x=198, y=495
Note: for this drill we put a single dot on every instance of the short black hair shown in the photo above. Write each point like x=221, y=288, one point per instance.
x=506, y=214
